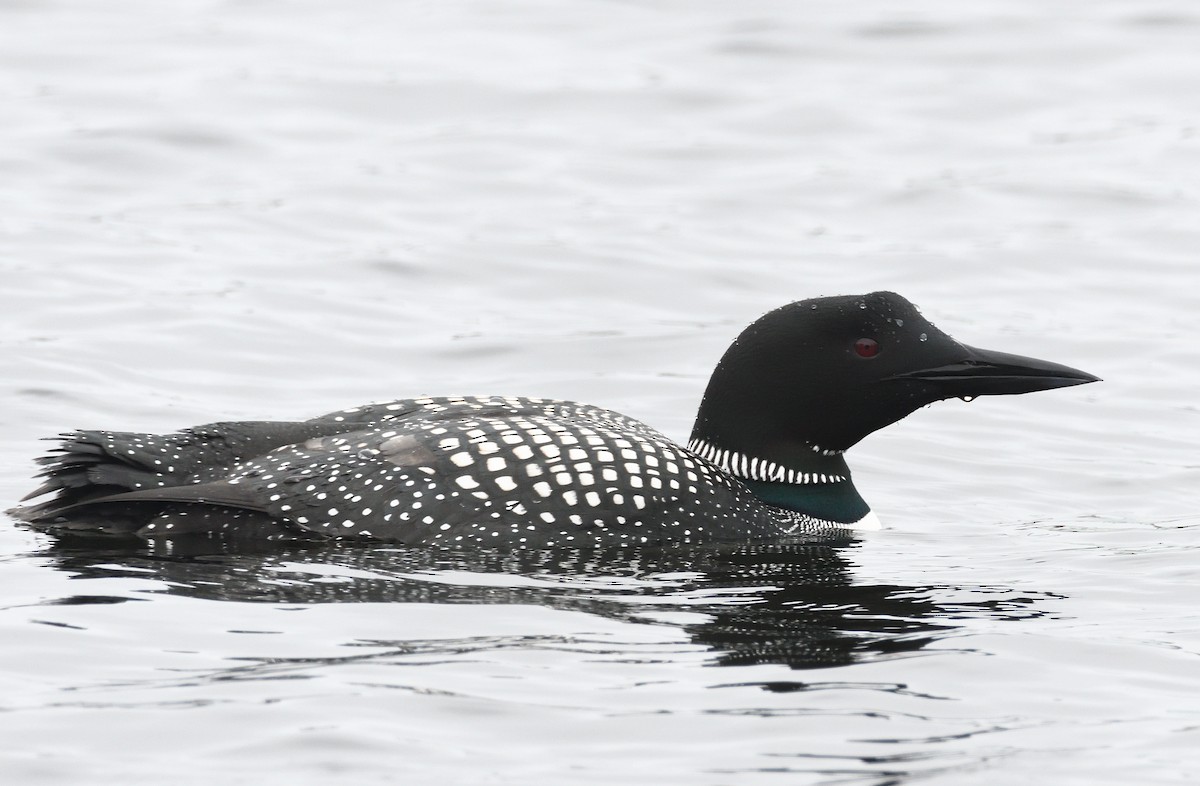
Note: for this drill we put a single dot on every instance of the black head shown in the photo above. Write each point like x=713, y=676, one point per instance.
x=826, y=372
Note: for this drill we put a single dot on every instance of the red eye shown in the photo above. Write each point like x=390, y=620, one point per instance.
x=866, y=347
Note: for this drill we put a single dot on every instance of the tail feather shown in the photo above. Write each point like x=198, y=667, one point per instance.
x=90, y=464
x=121, y=482
x=82, y=468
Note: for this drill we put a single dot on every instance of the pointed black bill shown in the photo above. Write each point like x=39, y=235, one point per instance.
x=983, y=372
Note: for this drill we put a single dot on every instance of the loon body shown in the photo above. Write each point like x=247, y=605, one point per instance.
x=765, y=460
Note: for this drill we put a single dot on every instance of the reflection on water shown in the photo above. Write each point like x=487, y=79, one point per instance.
x=795, y=603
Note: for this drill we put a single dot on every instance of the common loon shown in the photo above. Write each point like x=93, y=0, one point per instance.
x=765, y=460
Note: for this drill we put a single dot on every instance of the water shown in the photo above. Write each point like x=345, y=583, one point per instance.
x=246, y=210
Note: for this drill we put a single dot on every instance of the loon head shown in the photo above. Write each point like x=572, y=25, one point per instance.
x=807, y=381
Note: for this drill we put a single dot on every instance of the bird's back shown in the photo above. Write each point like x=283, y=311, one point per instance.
x=478, y=470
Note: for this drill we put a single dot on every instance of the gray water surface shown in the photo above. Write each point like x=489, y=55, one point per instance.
x=219, y=210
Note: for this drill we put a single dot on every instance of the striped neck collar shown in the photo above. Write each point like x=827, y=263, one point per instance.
x=765, y=470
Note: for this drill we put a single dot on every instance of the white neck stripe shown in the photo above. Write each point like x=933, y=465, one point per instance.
x=755, y=468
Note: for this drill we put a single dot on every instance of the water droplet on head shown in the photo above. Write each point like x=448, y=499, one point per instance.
x=899, y=323
x=968, y=399
x=862, y=306
x=923, y=337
